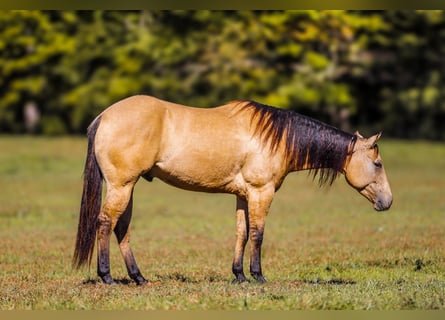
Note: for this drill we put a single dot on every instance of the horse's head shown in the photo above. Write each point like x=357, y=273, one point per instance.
x=365, y=172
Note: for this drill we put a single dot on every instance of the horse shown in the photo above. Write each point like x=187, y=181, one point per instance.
x=243, y=148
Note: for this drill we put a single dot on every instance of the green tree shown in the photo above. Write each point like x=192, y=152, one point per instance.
x=368, y=69
x=31, y=42
x=406, y=75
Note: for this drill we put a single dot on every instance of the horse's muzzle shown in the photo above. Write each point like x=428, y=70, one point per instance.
x=383, y=203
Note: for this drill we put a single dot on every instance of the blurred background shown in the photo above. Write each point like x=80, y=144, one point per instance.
x=367, y=70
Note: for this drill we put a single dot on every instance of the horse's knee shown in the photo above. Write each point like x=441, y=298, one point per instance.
x=256, y=235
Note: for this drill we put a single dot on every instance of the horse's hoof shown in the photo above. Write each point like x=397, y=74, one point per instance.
x=140, y=280
x=241, y=278
x=259, y=278
x=107, y=279
x=240, y=281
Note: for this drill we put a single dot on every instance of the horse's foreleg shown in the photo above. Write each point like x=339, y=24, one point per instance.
x=242, y=230
x=256, y=238
x=122, y=232
x=259, y=203
x=115, y=204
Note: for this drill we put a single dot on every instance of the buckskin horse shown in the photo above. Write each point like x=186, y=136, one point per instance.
x=243, y=148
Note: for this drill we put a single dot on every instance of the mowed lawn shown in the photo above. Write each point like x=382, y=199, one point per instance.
x=323, y=248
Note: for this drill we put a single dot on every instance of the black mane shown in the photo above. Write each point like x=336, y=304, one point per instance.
x=323, y=148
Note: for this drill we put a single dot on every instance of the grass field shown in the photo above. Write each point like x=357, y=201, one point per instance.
x=323, y=249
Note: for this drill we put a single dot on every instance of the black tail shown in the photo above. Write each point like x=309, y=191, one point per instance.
x=90, y=204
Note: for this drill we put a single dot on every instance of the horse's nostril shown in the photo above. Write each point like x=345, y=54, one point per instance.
x=381, y=205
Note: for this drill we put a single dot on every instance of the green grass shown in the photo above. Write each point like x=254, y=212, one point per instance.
x=323, y=249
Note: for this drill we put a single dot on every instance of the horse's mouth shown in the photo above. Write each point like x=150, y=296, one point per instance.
x=381, y=202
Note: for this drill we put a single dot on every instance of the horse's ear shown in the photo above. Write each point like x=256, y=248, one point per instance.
x=373, y=140
x=358, y=134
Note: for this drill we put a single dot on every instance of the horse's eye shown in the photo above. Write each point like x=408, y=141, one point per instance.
x=378, y=164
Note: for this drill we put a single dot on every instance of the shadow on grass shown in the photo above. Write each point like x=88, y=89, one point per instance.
x=116, y=281
x=337, y=282
x=182, y=278
x=162, y=278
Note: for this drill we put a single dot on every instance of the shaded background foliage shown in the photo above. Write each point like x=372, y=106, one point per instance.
x=373, y=70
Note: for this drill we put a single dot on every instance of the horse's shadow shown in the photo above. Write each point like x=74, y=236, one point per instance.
x=159, y=278
x=121, y=281
x=186, y=279
x=337, y=282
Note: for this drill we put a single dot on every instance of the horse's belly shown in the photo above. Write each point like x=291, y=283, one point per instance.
x=216, y=180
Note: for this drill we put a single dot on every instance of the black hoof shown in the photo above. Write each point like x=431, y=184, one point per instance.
x=140, y=280
x=107, y=279
x=259, y=278
x=240, y=279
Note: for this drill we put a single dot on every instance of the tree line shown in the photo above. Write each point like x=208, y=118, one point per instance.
x=373, y=70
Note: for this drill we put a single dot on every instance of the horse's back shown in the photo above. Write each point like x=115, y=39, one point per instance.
x=149, y=118
x=141, y=109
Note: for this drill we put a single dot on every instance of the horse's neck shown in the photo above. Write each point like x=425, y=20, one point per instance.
x=324, y=151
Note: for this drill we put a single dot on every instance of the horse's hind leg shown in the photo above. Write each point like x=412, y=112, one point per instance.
x=122, y=232
x=116, y=202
